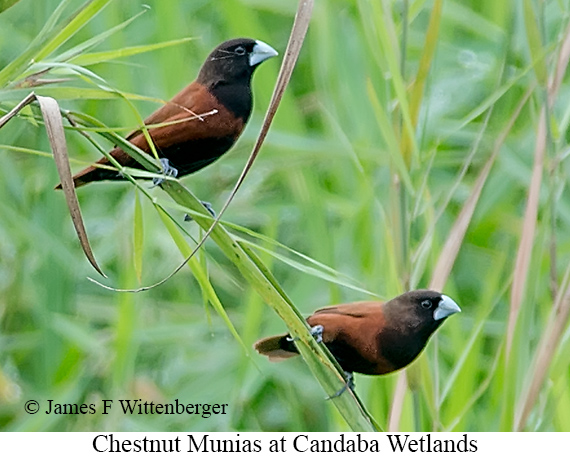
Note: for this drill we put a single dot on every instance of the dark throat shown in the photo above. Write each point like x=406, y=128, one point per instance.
x=401, y=349
x=235, y=96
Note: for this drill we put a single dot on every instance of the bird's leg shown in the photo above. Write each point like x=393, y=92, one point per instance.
x=209, y=208
x=316, y=331
x=349, y=384
x=167, y=170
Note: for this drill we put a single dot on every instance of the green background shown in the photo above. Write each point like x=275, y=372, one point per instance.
x=327, y=185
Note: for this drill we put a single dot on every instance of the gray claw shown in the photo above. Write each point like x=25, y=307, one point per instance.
x=317, y=332
x=349, y=384
x=167, y=170
x=209, y=208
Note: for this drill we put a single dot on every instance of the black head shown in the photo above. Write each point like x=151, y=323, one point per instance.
x=411, y=319
x=420, y=310
x=234, y=61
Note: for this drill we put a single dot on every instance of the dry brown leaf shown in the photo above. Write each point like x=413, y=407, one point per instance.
x=54, y=128
x=543, y=356
x=450, y=250
x=397, y=403
x=14, y=111
x=524, y=251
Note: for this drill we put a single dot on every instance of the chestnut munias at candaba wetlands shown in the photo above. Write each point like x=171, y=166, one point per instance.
x=371, y=337
x=201, y=122
x=314, y=443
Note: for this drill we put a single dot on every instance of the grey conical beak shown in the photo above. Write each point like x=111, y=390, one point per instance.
x=261, y=52
x=446, y=307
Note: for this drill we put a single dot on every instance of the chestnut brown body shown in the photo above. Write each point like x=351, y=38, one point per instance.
x=372, y=337
x=204, y=120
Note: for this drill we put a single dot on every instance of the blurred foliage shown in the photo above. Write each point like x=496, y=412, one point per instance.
x=326, y=184
x=5, y=4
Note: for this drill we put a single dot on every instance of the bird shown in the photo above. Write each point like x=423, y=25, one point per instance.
x=371, y=337
x=207, y=116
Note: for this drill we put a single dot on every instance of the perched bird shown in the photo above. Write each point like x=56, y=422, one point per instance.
x=371, y=337
x=221, y=94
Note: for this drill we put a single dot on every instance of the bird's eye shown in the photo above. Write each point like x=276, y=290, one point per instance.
x=426, y=304
x=240, y=50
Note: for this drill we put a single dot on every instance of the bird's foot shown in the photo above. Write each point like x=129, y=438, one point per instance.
x=209, y=208
x=316, y=331
x=349, y=385
x=167, y=170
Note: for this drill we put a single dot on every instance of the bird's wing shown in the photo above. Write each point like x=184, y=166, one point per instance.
x=351, y=331
x=185, y=108
x=352, y=319
x=184, y=100
x=357, y=309
x=200, y=112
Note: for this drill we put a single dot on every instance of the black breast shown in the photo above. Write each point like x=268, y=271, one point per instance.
x=194, y=155
x=236, y=97
x=401, y=349
x=349, y=358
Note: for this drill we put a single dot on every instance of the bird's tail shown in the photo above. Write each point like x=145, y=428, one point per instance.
x=78, y=181
x=277, y=348
x=91, y=174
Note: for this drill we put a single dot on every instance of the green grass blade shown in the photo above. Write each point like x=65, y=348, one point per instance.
x=389, y=136
x=78, y=52
x=322, y=365
x=5, y=4
x=535, y=43
x=138, y=237
x=200, y=274
x=418, y=86
x=51, y=38
x=105, y=56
